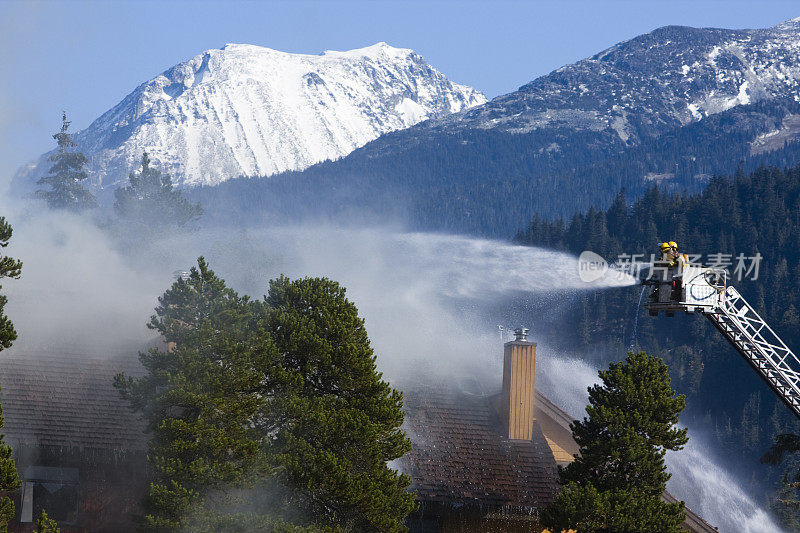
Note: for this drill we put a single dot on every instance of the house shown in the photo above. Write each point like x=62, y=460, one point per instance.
x=487, y=461
x=467, y=475
x=79, y=449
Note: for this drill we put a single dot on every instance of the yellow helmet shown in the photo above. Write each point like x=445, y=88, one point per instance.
x=664, y=246
x=673, y=244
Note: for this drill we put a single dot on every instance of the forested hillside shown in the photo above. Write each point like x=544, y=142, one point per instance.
x=489, y=182
x=746, y=214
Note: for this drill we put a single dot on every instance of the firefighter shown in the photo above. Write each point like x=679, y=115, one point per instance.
x=660, y=270
x=669, y=253
x=676, y=263
x=675, y=258
x=664, y=249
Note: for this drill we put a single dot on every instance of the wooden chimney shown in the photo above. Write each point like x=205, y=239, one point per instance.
x=519, y=371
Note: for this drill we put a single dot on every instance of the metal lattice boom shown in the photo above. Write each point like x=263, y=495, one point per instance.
x=694, y=288
x=758, y=344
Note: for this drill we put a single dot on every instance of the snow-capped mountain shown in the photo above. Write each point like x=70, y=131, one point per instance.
x=670, y=77
x=632, y=92
x=245, y=110
x=674, y=106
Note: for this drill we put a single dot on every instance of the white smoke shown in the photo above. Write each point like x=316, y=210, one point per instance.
x=77, y=293
x=422, y=295
x=425, y=299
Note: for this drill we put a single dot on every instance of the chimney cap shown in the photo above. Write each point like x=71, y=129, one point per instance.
x=521, y=334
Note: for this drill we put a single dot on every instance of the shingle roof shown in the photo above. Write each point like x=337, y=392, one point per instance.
x=460, y=457
x=68, y=400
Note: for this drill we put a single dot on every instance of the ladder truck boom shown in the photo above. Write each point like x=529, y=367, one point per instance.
x=697, y=289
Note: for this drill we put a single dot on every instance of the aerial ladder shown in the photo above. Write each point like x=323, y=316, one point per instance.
x=698, y=289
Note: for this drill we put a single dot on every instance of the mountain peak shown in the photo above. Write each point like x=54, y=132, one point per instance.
x=791, y=24
x=241, y=46
x=372, y=51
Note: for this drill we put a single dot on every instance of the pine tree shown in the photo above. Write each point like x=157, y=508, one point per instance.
x=342, y=420
x=66, y=175
x=9, y=479
x=200, y=398
x=279, y=396
x=45, y=524
x=786, y=504
x=9, y=268
x=616, y=483
x=151, y=201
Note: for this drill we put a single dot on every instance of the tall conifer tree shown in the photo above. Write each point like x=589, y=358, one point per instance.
x=616, y=483
x=9, y=479
x=199, y=397
x=341, y=420
x=151, y=201
x=66, y=190
x=45, y=524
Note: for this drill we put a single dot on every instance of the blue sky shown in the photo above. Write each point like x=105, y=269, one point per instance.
x=86, y=56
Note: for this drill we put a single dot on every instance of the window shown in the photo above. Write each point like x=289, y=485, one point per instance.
x=51, y=488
